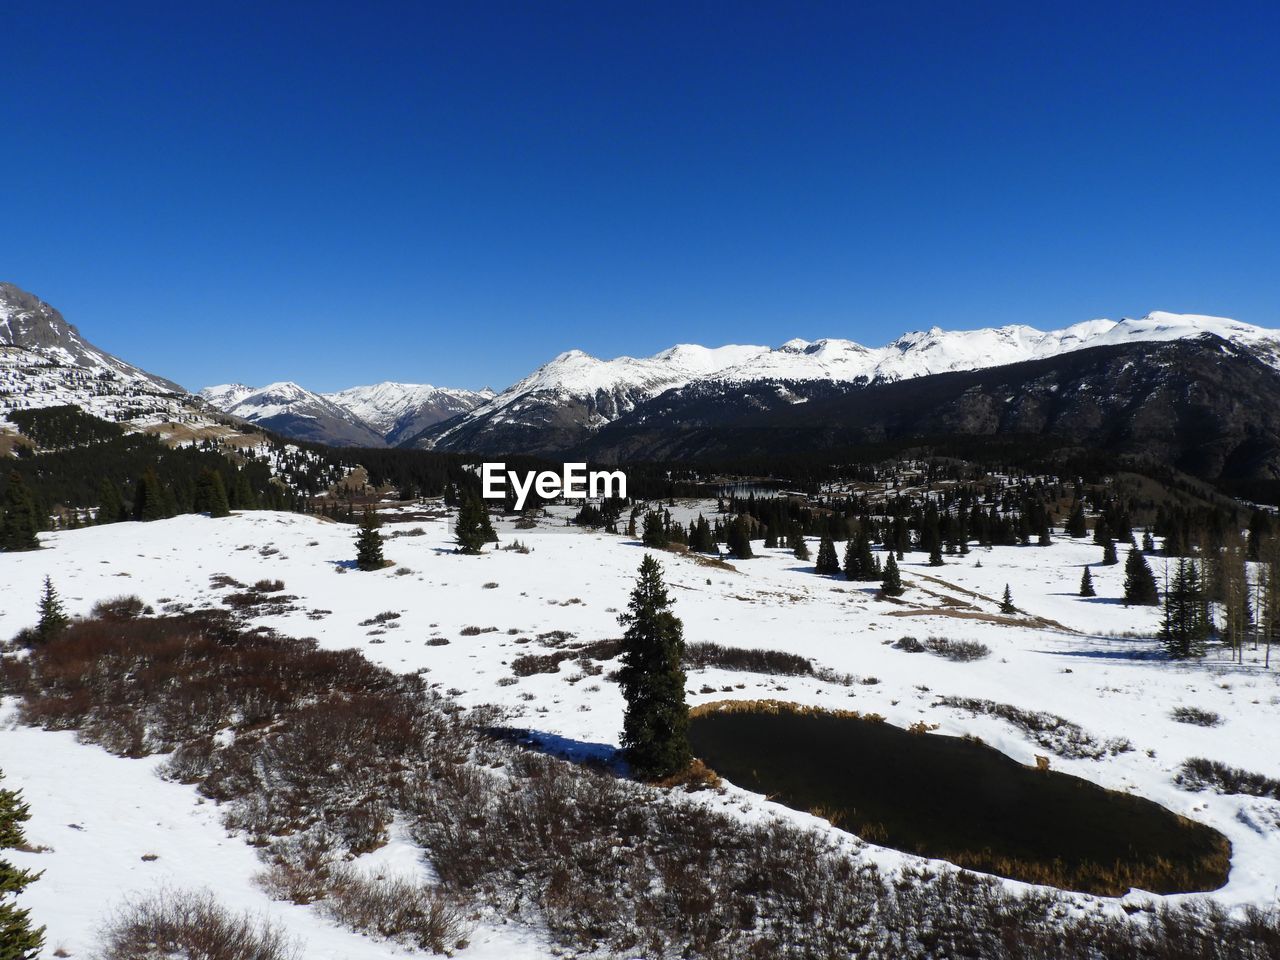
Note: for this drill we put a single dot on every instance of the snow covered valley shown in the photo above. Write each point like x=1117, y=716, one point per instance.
x=513, y=629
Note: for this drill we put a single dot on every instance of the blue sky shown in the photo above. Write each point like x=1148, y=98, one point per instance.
x=455, y=192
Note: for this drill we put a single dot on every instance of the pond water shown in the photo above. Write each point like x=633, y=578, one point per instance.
x=959, y=800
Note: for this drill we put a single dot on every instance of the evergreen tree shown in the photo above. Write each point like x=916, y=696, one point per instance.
x=18, y=939
x=110, y=503
x=891, y=585
x=655, y=728
x=149, y=498
x=1186, y=615
x=1109, y=557
x=931, y=536
x=901, y=536
x=19, y=520
x=740, y=539
x=1086, y=584
x=655, y=530
x=799, y=546
x=859, y=562
x=211, y=495
x=1045, y=537
x=474, y=529
x=53, y=619
x=827, y=561
x=770, y=538
x=1148, y=543
x=700, y=539
x=1139, y=583
x=1006, y=602
x=1076, y=525
x=369, y=543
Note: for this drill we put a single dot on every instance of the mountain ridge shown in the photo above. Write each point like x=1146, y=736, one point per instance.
x=45, y=361
x=1202, y=405
x=574, y=395
x=376, y=415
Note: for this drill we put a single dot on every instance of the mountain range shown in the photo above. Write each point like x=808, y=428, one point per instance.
x=384, y=414
x=564, y=403
x=1197, y=392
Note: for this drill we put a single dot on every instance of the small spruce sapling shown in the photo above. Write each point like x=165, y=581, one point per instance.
x=1086, y=584
x=53, y=618
x=1006, y=602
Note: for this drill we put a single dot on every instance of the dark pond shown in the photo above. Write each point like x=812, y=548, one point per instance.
x=958, y=800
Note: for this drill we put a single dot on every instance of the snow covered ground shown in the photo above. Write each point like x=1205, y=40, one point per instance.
x=1094, y=668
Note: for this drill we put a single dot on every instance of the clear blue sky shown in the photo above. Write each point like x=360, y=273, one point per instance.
x=455, y=192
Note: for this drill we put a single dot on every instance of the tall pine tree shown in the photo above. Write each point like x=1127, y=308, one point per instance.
x=369, y=543
x=19, y=940
x=740, y=539
x=1186, y=623
x=1139, y=583
x=827, y=561
x=110, y=503
x=891, y=585
x=18, y=518
x=474, y=529
x=655, y=729
x=211, y=495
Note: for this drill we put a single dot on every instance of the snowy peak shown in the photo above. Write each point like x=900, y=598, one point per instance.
x=29, y=324
x=294, y=411
x=399, y=410
x=925, y=352
x=575, y=393
x=381, y=404
x=225, y=395
x=1261, y=342
x=580, y=374
x=45, y=362
x=375, y=415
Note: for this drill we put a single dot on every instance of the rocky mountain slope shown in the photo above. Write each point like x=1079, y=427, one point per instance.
x=44, y=361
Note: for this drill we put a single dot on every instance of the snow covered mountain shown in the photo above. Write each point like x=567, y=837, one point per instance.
x=573, y=396
x=401, y=410
x=1201, y=405
x=294, y=411
x=577, y=392
x=374, y=416
x=923, y=353
x=44, y=362
x=226, y=395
